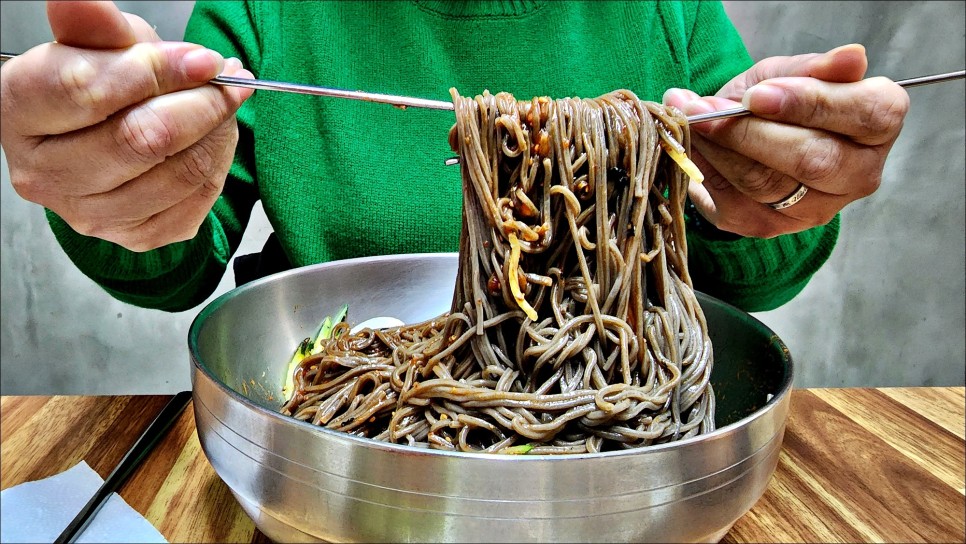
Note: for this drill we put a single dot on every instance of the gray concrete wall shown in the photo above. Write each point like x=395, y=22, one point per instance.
x=888, y=309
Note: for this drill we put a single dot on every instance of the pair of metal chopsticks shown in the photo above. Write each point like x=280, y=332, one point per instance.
x=409, y=101
x=132, y=459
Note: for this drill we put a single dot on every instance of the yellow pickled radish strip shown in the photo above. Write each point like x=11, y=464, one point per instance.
x=512, y=271
x=685, y=163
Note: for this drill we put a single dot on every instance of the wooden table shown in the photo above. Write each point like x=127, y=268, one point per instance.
x=856, y=465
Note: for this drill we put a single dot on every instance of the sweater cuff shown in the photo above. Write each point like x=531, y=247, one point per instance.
x=172, y=278
x=758, y=274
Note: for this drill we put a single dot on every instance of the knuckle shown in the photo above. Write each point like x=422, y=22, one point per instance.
x=760, y=179
x=728, y=225
x=819, y=161
x=751, y=229
x=77, y=81
x=764, y=231
x=209, y=189
x=28, y=185
x=232, y=135
x=741, y=132
x=887, y=112
x=137, y=244
x=138, y=239
x=86, y=220
x=8, y=100
x=158, y=231
x=187, y=233
x=197, y=164
x=88, y=226
x=826, y=217
x=144, y=245
x=217, y=108
x=807, y=103
x=144, y=136
x=206, y=162
x=149, y=62
x=818, y=107
x=88, y=217
x=867, y=185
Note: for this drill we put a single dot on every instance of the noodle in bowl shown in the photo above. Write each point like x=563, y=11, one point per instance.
x=300, y=482
x=574, y=327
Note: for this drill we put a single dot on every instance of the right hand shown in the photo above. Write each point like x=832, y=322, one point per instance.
x=116, y=131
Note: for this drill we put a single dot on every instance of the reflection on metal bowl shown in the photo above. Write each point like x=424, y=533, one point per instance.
x=302, y=483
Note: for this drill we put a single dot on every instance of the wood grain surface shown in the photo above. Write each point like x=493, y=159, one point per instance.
x=857, y=465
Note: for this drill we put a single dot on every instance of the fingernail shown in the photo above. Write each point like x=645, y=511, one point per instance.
x=764, y=98
x=678, y=97
x=202, y=64
x=696, y=106
x=232, y=64
x=851, y=47
x=244, y=93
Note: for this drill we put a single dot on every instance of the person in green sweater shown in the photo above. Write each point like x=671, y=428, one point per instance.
x=149, y=175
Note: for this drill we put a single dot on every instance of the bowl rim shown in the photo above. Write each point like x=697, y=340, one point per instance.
x=198, y=365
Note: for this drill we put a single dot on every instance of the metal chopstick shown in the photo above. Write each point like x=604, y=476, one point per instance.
x=911, y=82
x=132, y=459
x=298, y=88
x=267, y=85
x=408, y=101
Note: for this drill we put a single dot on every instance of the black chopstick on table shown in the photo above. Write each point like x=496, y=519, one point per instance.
x=132, y=459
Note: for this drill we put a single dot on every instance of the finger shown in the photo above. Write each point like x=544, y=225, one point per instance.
x=844, y=64
x=730, y=210
x=765, y=185
x=201, y=165
x=102, y=157
x=814, y=157
x=871, y=111
x=143, y=31
x=57, y=89
x=679, y=97
x=90, y=25
x=177, y=223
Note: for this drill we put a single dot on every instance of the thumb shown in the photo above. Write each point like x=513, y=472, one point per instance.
x=844, y=64
x=90, y=25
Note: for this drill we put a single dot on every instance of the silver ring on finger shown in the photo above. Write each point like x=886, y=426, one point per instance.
x=791, y=199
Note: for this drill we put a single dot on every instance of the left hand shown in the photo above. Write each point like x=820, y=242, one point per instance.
x=816, y=123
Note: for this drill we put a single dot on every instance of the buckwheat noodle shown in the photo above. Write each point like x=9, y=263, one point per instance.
x=574, y=326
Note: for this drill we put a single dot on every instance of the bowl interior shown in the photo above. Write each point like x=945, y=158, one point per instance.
x=245, y=339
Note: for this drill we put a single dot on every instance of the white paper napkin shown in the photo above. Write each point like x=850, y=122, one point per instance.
x=39, y=511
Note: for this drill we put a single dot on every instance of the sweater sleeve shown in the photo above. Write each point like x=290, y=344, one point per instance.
x=752, y=273
x=180, y=276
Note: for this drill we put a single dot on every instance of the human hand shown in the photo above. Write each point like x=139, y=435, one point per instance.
x=115, y=130
x=817, y=124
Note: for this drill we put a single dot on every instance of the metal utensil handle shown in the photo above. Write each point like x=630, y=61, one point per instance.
x=132, y=459
x=267, y=85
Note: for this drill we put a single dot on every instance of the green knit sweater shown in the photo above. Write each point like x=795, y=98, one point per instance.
x=341, y=178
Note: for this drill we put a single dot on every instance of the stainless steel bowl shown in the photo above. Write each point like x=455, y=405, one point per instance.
x=302, y=483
